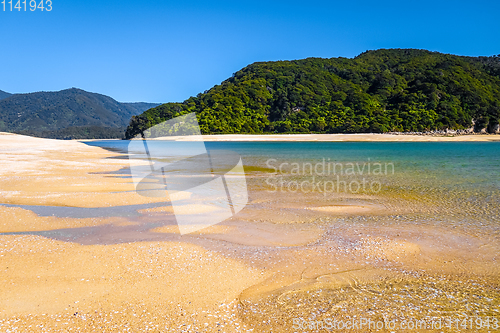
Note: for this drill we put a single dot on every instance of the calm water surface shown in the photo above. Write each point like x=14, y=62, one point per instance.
x=431, y=255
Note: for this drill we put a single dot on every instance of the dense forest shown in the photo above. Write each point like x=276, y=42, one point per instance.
x=378, y=91
x=67, y=114
x=79, y=132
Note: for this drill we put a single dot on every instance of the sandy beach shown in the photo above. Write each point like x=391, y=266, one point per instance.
x=55, y=286
x=282, y=257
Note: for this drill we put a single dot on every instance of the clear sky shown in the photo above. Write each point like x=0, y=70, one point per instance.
x=166, y=51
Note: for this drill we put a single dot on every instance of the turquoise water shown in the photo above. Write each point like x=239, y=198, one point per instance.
x=458, y=182
x=469, y=164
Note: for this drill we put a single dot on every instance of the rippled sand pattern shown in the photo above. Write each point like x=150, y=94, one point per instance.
x=375, y=294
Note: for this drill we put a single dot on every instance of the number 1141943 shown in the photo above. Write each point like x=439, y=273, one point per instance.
x=26, y=5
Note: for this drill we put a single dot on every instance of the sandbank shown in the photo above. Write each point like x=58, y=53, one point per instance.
x=365, y=137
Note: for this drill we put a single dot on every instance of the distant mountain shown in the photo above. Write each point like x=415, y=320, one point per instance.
x=141, y=106
x=4, y=94
x=402, y=90
x=70, y=113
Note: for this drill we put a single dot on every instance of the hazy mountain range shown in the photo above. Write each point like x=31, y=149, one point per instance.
x=70, y=113
x=4, y=94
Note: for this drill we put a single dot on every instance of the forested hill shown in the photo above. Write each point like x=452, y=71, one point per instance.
x=67, y=114
x=378, y=91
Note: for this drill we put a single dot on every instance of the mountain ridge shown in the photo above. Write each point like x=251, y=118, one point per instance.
x=69, y=113
x=4, y=94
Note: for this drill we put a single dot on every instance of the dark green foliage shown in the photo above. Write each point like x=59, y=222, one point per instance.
x=67, y=113
x=378, y=91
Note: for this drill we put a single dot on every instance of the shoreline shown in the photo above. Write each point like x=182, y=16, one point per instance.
x=357, y=137
x=354, y=137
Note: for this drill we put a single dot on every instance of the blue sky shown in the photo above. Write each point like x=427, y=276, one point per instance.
x=165, y=51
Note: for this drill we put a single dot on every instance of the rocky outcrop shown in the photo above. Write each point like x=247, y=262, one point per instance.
x=495, y=129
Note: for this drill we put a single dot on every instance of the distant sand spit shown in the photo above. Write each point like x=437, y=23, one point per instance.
x=370, y=137
x=35, y=171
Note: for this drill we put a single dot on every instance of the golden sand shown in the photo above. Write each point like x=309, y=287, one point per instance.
x=61, y=286
x=54, y=286
x=48, y=172
x=345, y=209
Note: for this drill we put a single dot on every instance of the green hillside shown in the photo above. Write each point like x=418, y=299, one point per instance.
x=378, y=91
x=70, y=113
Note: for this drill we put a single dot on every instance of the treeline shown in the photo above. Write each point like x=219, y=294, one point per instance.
x=378, y=91
x=79, y=132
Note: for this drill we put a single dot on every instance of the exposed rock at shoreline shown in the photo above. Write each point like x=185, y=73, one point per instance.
x=448, y=132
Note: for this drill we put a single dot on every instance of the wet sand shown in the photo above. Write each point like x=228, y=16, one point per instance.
x=283, y=257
